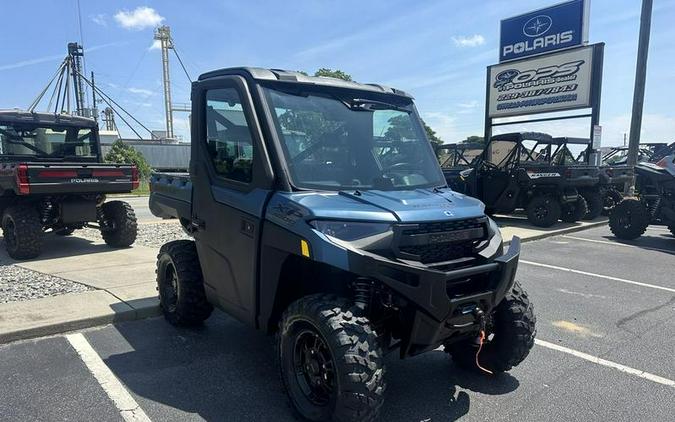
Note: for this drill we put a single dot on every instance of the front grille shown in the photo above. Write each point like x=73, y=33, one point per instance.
x=440, y=241
x=438, y=252
x=444, y=226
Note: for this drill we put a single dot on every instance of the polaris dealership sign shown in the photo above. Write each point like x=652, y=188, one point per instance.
x=561, y=26
x=557, y=81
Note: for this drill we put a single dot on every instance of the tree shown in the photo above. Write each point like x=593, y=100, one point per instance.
x=473, y=139
x=431, y=134
x=324, y=71
x=126, y=154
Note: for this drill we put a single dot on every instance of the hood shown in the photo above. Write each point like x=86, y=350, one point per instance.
x=409, y=206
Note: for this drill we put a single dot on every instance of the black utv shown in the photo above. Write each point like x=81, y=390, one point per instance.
x=516, y=171
x=53, y=179
x=655, y=204
x=454, y=158
x=320, y=214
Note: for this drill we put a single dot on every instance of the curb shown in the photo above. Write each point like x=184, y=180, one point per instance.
x=46, y=318
x=561, y=232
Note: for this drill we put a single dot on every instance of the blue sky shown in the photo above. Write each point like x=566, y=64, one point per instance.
x=436, y=50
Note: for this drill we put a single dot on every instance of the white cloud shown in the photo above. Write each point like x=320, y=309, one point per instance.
x=468, y=40
x=141, y=91
x=139, y=18
x=99, y=19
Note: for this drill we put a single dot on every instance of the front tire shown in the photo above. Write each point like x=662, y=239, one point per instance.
x=594, y=203
x=574, y=211
x=118, y=224
x=543, y=210
x=22, y=230
x=610, y=200
x=330, y=361
x=181, y=285
x=629, y=219
x=514, y=329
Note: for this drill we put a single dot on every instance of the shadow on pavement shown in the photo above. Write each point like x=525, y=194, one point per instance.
x=226, y=371
x=652, y=240
x=59, y=247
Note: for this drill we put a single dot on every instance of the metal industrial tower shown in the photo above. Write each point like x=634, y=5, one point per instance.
x=163, y=35
x=76, y=53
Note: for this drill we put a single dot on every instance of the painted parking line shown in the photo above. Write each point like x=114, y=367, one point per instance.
x=607, y=242
x=125, y=403
x=606, y=277
x=608, y=363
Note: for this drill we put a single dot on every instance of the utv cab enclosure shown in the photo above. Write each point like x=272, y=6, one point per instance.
x=52, y=178
x=320, y=214
x=457, y=157
x=516, y=170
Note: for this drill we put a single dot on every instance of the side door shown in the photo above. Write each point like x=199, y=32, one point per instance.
x=232, y=181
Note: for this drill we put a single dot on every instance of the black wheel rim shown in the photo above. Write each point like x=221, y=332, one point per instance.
x=625, y=220
x=314, y=368
x=541, y=212
x=170, y=289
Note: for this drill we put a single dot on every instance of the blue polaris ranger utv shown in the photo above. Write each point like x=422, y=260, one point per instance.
x=320, y=214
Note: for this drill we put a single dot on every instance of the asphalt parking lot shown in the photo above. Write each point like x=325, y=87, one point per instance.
x=604, y=351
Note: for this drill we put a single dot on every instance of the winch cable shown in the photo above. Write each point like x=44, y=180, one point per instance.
x=481, y=338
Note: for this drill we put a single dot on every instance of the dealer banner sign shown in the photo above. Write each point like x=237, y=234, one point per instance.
x=557, y=81
x=561, y=26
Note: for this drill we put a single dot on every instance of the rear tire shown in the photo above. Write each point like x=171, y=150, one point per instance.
x=181, y=285
x=22, y=230
x=514, y=329
x=574, y=211
x=543, y=210
x=118, y=224
x=343, y=379
x=629, y=219
x=595, y=204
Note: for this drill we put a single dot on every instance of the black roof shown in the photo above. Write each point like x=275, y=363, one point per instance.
x=22, y=116
x=299, y=78
x=522, y=136
x=570, y=140
x=462, y=146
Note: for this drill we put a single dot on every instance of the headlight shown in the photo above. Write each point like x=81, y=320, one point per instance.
x=349, y=231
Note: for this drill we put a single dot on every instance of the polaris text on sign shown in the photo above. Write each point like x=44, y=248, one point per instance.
x=544, y=30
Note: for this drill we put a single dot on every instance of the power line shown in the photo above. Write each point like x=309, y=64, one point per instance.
x=181, y=62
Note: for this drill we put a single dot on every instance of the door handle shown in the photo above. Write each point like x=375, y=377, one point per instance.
x=198, y=224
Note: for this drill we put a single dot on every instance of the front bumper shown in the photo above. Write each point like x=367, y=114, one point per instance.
x=440, y=302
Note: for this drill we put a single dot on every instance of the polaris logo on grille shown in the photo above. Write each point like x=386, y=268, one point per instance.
x=455, y=236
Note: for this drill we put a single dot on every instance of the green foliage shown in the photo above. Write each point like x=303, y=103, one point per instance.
x=126, y=154
x=333, y=74
x=431, y=134
x=473, y=139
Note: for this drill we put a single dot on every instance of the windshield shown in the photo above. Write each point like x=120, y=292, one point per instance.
x=46, y=141
x=337, y=143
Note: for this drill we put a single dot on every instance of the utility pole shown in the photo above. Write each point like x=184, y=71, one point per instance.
x=640, y=77
x=75, y=52
x=163, y=35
